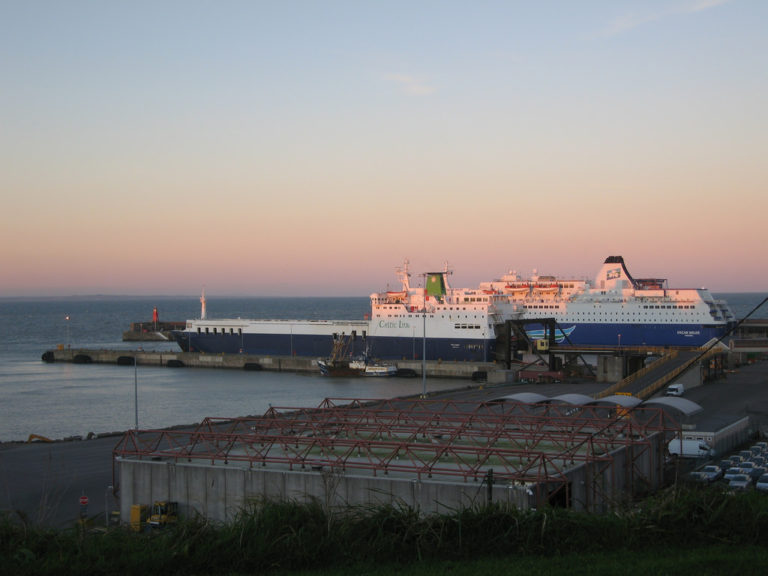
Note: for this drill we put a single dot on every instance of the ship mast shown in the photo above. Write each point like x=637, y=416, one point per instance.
x=404, y=277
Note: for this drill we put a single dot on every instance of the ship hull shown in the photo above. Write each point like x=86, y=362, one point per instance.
x=319, y=345
x=268, y=344
x=629, y=334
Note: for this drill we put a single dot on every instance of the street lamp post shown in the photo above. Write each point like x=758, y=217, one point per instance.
x=106, y=504
x=424, y=356
x=67, y=319
x=136, y=389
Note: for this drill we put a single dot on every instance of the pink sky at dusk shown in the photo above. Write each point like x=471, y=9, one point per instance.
x=299, y=148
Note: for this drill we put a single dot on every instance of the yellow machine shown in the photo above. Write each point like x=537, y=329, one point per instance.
x=139, y=515
x=163, y=513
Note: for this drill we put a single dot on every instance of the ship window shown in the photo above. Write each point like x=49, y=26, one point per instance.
x=240, y=331
x=206, y=329
x=198, y=330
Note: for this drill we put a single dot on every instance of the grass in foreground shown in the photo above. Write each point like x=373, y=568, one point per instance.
x=680, y=531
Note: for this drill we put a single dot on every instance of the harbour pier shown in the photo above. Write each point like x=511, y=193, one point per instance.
x=250, y=362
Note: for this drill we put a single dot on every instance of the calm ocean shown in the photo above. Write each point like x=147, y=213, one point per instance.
x=62, y=400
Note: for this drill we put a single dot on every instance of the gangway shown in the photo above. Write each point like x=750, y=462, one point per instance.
x=646, y=382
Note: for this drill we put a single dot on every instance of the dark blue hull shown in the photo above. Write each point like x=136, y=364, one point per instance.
x=465, y=350
x=461, y=350
x=266, y=344
x=685, y=335
x=450, y=350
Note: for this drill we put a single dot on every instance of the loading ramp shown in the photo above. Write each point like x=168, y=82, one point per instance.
x=649, y=380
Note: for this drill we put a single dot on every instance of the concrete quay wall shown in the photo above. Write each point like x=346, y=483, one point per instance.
x=219, y=493
x=438, y=369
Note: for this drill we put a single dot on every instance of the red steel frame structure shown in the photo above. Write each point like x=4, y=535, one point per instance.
x=527, y=444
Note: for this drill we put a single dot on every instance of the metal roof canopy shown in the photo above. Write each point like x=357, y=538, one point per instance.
x=620, y=399
x=530, y=443
x=685, y=406
x=525, y=398
x=576, y=399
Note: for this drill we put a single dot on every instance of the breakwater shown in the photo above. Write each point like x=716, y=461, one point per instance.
x=253, y=362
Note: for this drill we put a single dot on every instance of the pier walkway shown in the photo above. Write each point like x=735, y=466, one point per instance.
x=251, y=362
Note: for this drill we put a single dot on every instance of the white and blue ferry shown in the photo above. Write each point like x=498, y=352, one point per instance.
x=614, y=310
x=434, y=321
x=439, y=322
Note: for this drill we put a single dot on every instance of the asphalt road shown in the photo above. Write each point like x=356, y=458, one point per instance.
x=43, y=482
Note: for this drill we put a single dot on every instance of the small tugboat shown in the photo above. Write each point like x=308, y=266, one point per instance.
x=340, y=362
x=377, y=369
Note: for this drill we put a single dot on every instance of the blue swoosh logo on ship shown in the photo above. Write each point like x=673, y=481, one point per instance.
x=543, y=333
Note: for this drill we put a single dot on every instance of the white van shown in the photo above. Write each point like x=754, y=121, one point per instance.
x=675, y=390
x=690, y=448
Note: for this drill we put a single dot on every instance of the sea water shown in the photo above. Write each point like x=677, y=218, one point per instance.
x=61, y=400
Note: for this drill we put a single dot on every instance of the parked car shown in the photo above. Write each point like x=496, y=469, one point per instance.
x=725, y=464
x=735, y=459
x=745, y=454
x=731, y=473
x=740, y=482
x=762, y=483
x=711, y=473
x=759, y=460
x=755, y=472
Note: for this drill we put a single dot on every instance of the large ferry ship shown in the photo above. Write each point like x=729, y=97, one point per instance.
x=438, y=322
x=615, y=310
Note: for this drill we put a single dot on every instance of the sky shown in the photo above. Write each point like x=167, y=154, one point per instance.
x=303, y=148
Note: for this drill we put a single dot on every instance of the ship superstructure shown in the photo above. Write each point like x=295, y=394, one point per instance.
x=614, y=310
x=452, y=323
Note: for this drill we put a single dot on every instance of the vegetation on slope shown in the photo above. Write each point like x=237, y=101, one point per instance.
x=725, y=530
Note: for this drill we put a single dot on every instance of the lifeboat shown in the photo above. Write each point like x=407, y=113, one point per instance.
x=517, y=289
x=549, y=288
x=396, y=296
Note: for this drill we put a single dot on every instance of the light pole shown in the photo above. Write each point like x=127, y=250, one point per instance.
x=67, y=319
x=424, y=356
x=106, y=505
x=136, y=389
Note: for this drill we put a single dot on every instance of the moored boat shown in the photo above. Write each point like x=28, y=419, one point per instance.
x=379, y=370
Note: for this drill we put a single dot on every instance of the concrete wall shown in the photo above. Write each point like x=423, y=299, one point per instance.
x=599, y=486
x=610, y=368
x=219, y=492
